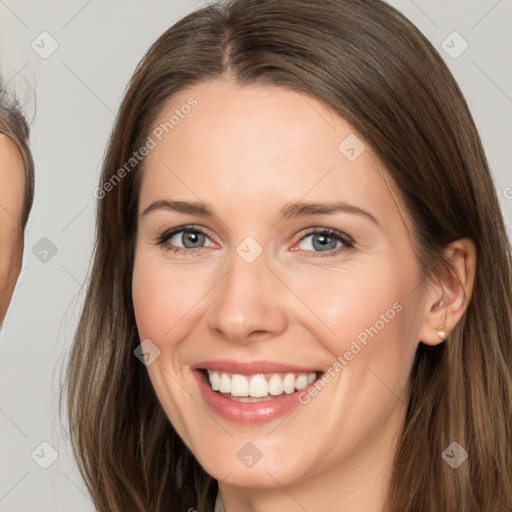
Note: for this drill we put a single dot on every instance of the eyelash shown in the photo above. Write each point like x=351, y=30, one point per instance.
x=348, y=243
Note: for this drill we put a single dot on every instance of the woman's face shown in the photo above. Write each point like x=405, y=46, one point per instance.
x=12, y=190
x=241, y=284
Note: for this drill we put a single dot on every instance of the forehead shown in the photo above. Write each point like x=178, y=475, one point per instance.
x=260, y=143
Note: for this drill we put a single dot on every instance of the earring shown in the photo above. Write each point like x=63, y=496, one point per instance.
x=441, y=332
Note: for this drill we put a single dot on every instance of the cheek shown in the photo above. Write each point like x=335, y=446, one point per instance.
x=147, y=295
x=368, y=320
x=165, y=303
x=342, y=306
x=163, y=295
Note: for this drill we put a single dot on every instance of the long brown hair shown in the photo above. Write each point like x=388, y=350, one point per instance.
x=374, y=68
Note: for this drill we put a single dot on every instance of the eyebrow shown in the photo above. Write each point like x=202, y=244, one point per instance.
x=290, y=210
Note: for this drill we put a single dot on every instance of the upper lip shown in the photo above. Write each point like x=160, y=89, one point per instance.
x=250, y=367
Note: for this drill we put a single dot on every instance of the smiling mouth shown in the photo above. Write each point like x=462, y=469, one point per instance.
x=258, y=387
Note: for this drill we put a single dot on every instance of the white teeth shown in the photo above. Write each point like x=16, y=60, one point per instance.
x=289, y=383
x=275, y=385
x=215, y=381
x=259, y=385
x=225, y=384
x=301, y=382
x=239, y=386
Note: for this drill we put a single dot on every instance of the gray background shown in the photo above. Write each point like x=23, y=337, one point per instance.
x=77, y=91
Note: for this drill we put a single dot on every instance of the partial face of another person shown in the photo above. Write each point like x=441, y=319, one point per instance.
x=12, y=193
x=259, y=287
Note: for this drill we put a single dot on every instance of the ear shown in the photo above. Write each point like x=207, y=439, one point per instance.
x=448, y=297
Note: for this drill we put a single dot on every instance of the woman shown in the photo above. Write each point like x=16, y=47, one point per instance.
x=250, y=371
x=16, y=193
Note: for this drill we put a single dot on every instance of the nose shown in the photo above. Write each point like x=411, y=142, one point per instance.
x=249, y=303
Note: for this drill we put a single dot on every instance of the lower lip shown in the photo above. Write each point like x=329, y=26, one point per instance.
x=247, y=412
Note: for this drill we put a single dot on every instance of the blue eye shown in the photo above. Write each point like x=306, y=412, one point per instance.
x=325, y=240
x=192, y=239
